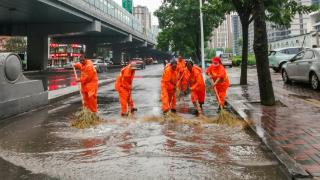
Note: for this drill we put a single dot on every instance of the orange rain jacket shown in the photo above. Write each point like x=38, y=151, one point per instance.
x=223, y=85
x=89, y=84
x=168, y=88
x=197, y=85
x=123, y=85
x=181, y=69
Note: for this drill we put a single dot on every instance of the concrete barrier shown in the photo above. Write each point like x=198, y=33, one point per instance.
x=17, y=93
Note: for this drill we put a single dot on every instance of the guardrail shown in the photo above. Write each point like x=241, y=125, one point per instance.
x=116, y=12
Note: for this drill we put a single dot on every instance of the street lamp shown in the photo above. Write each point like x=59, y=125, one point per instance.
x=202, y=39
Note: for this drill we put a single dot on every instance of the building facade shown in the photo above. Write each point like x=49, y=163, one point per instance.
x=236, y=34
x=3, y=42
x=222, y=36
x=142, y=13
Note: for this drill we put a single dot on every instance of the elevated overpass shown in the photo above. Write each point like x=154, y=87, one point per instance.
x=90, y=22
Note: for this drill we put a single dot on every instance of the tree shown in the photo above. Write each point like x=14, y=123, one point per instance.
x=280, y=12
x=180, y=24
x=209, y=53
x=261, y=53
x=16, y=44
x=240, y=43
x=228, y=50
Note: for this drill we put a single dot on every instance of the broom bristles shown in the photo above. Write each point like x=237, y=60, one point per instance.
x=85, y=119
x=224, y=118
x=230, y=119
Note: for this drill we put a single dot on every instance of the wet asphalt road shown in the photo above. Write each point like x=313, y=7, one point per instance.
x=61, y=78
x=42, y=145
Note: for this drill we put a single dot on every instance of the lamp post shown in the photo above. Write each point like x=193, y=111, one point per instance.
x=202, y=39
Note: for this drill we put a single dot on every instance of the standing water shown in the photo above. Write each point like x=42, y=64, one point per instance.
x=43, y=143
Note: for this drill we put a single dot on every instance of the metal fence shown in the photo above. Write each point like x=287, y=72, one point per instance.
x=113, y=10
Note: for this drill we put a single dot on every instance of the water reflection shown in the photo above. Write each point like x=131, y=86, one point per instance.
x=133, y=149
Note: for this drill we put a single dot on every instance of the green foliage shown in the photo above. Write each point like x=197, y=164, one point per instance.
x=281, y=12
x=209, y=53
x=236, y=60
x=180, y=24
x=16, y=44
x=228, y=50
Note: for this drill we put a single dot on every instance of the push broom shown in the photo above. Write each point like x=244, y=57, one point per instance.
x=84, y=118
x=224, y=116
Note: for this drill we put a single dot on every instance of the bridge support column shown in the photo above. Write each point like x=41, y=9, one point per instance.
x=116, y=56
x=91, y=50
x=38, y=52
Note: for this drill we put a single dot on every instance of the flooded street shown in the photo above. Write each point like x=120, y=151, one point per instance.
x=42, y=145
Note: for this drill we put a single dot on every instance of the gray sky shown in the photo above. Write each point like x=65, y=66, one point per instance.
x=152, y=5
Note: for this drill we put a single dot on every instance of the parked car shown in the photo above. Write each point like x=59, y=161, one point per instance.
x=304, y=67
x=123, y=63
x=141, y=64
x=68, y=66
x=278, y=57
x=149, y=61
x=100, y=65
x=155, y=61
x=226, y=59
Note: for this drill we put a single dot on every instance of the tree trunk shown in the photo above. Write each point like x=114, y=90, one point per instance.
x=261, y=52
x=245, y=49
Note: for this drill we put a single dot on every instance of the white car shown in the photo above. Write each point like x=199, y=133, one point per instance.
x=226, y=59
x=279, y=57
x=100, y=65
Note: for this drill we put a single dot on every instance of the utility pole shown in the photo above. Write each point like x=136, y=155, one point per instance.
x=202, y=40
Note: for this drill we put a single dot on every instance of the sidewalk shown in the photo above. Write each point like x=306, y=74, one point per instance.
x=291, y=128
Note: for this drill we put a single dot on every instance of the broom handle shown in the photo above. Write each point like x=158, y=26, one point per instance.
x=79, y=84
x=179, y=81
x=219, y=100
x=216, y=92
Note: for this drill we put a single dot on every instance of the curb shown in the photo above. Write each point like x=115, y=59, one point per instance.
x=55, y=96
x=294, y=169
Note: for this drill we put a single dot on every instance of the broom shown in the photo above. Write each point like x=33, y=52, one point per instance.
x=130, y=114
x=224, y=116
x=84, y=118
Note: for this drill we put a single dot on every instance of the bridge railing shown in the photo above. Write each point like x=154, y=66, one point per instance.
x=115, y=11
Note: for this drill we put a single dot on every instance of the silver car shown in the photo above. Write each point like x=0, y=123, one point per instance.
x=100, y=65
x=304, y=67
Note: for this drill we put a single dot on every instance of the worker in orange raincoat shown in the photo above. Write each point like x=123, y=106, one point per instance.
x=218, y=74
x=123, y=85
x=89, y=83
x=168, y=87
x=181, y=68
x=197, y=86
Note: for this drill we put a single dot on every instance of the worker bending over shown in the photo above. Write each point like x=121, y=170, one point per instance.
x=197, y=86
x=168, y=87
x=219, y=79
x=89, y=83
x=123, y=85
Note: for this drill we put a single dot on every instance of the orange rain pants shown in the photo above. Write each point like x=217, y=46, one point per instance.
x=168, y=88
x=89, y=84
x=123, y=85
x=197, y=85
x=222, y=86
